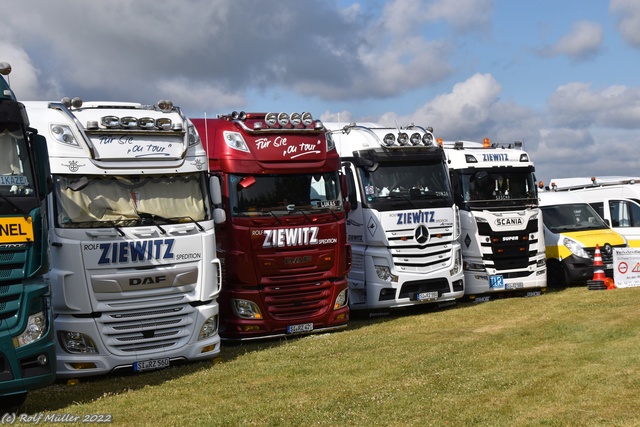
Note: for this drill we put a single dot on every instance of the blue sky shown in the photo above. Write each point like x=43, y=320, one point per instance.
x=559, y=75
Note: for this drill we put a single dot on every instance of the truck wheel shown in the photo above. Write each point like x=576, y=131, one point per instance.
x=556, y=275
x=13, y=401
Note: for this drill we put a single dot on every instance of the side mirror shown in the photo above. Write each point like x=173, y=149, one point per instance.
x=41, y=162
x=215, y=189
x=219, y=215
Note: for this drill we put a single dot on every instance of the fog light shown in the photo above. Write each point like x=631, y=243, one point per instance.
x=208, y=348
x=86, y=365
x=42, y=360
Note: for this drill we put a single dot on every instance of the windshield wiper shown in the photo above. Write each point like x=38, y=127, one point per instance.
x=115, y=227
x=146, y=218
x=294, y=208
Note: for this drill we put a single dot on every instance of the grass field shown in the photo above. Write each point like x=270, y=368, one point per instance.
x=567, y=358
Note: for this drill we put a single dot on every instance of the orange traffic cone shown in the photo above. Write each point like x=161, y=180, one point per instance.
x=599, y=279
x=598, y=267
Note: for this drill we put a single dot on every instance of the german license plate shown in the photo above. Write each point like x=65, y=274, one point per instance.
x=148, y=365
x=296, y=329
x=423, y=296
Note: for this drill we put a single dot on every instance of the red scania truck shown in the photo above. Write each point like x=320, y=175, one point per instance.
x=283, y=245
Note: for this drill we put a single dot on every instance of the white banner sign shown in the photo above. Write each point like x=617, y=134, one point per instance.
x=626, y=267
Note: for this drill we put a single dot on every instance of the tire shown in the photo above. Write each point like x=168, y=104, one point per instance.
x=556, y=274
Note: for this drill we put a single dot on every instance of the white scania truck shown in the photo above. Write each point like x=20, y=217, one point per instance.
x=403, y=225
x=502, y=235
x=134, y=274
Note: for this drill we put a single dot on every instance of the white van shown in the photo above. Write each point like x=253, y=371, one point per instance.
x=572, y=229
x=616, y=199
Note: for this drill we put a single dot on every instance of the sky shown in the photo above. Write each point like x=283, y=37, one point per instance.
x=560, y=76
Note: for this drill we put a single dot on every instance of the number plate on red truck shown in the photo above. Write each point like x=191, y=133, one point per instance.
x=296, y=329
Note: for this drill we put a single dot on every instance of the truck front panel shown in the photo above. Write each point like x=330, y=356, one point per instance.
x=502, y=238
x=27, y=356
x=134, y=273
x=284, y=249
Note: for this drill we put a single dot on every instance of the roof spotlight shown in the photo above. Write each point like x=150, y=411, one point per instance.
x=271, y=119
x=295, y=119
x=283, y=119
x=307, y=118
x=403, y=138
x=389, y=139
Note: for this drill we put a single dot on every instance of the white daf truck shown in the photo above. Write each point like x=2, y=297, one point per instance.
x=502, y=235
x=134, y=274
x=403, y=225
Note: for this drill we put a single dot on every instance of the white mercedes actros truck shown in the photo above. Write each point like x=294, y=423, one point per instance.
x=403, y=225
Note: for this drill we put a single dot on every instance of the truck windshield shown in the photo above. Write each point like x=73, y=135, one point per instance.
x=266, y=195
x=404, y=185
x=571, y=217
x=494, y=187
x=15, y=172
x=129, y=200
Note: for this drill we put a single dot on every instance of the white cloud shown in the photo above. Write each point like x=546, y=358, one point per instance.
x=584, y=41
x=628, y=14
x=463, y=15
x=577, y=105
x=460, y=113
x=201, y=98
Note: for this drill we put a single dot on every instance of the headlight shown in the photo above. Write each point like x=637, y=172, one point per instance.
x=193, y=136
x=76, y=342
x=384, y=273
x=474, y=266
x=235, y=140
x=246, y=309
x=341, y=300
x=457, y=264
x=209, y=328
x=575, y=248
x=63, y=134
x=36, y=328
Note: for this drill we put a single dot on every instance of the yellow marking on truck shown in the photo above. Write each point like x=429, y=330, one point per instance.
x=16, y=230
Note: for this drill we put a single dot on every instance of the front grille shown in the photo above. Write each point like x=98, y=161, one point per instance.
x=298, y=300
x=508, y=250
x=606, y=258
x=5, y=369
x=10, y=298
x=410, y=256
x=146, y=330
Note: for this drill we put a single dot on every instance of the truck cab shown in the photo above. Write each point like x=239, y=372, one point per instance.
x=27, y=352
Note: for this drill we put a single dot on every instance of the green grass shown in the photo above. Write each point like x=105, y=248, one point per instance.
x=567, y=358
